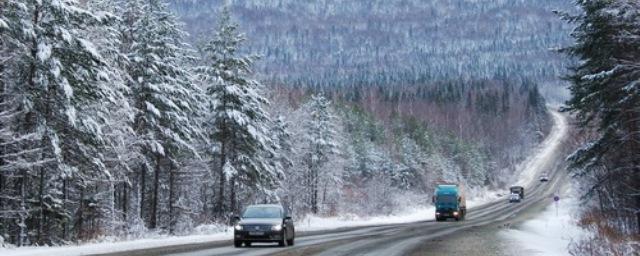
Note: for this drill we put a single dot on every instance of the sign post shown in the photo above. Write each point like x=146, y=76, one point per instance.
x=556, y=198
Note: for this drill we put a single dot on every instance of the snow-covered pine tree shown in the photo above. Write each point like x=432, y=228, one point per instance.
x=606, y=96
x=282, y=143
x=55, y=72
x=166, y=99
x=120, y=141
x=133, y=193
x=281, y=138
x=16, y=160
x=321, y=144
x=239, y=125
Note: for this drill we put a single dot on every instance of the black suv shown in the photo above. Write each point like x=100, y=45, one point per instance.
x=264, y=223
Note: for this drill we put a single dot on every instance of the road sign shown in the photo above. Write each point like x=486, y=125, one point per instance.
x=556, y=198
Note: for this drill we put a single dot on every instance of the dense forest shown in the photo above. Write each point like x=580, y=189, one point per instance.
x=115, y=122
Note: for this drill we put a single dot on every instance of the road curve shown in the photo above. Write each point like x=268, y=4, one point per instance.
x=403, y=239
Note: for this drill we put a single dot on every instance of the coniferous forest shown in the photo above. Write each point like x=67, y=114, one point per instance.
x=120, y=118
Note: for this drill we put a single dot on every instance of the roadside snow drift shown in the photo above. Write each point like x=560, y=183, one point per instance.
x=113, y=247
x=549, y=233
x=315, y=223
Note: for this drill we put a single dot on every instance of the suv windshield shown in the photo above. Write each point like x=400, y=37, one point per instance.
x=262, y=212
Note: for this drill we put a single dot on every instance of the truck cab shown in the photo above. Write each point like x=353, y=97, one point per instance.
x=517, y=190
x=450, y=202
x=514, y=198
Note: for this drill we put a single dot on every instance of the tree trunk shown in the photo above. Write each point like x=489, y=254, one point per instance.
x=32, y=84
x=125, y=205
x=143, y=189
x=324, y=193
x=205, y=201
x=314, y=191
x=156, y=187
x=65, y=197
x=80, y=217
x=634, y=151
x=220, y=201
x=3, y=205
x=40, y=206
x=637, y=208
x=22, y=236
x=171, y=200
x=232, y=196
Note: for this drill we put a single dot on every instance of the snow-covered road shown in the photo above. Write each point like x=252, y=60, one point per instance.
x=543, y=158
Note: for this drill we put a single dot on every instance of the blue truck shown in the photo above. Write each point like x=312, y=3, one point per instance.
x=450, y=202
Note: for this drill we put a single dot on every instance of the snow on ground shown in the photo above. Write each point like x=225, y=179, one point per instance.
x=315, y=223
x=417, y=214
x=118, y=246
x=549, y=233
x=483, y=195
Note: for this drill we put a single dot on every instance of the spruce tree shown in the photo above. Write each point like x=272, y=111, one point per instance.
x=166, y=96
x=239, y=124
x=120, y=140
x=606, y=96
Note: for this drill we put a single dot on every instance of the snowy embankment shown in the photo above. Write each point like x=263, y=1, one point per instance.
x=107, y=246
x=317, y=223
x=426, y=213
x=312, y=223
x=549, y=233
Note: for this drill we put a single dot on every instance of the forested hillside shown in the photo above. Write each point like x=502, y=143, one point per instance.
x=386, y=41
x=115, y=122
x=409, y=139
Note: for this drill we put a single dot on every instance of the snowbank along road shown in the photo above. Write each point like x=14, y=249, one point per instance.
x=404, y=239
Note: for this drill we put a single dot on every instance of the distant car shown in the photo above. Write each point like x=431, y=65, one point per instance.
x=544, y=177
x=514, y=198
x=264, y=223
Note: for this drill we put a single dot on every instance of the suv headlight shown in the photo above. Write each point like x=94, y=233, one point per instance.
x=238, y=227
x=276, y=227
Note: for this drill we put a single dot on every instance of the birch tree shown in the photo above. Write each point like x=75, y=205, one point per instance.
x=320, y=142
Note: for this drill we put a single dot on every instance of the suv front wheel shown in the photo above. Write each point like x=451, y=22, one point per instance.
x=283, y=241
